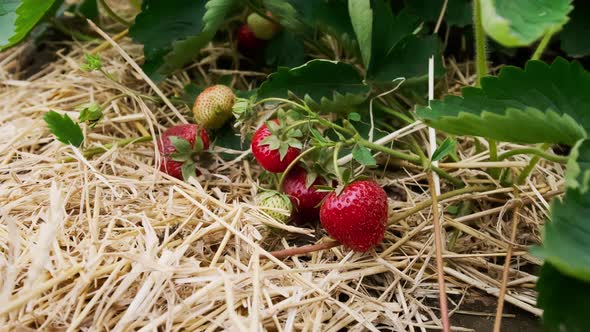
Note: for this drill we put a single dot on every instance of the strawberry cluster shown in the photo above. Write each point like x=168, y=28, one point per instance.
x=311, y=185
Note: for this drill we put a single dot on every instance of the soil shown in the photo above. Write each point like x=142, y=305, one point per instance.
x=478, y=312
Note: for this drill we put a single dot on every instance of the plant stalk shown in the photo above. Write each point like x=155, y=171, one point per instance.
x=542, y=45
x=102, y=149
x=536, y=152
x=292, y=164
x=112, y=14
x=527, y=170
x=481, y=64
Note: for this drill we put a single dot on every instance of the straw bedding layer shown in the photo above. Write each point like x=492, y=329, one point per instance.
x=110, y=243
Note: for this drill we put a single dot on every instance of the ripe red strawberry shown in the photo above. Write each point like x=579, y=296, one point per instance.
x=247, y=41
x=358, y=216
x=275, y=204
x=262, y=27
x=273, y=149
x=213, y=106
x=179, y=146
x=303, y=194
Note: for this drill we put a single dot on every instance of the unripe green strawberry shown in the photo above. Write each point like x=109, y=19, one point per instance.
x=262, y=27
x=213, y=106
x=275, y=204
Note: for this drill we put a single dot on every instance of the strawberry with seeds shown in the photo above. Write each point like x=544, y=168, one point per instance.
x=262, y=27
x=180, y=145
x=357, y=215
x=299, y=185
x=275, y=204
x=275, y=146
x=213, y=107
x=248, y=43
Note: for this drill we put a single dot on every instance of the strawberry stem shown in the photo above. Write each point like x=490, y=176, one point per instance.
x=102, y=149
x=299, y=123
x=536, y=152
x=394, y=153
x=411, y=158
x=335, y=161
x=527, y=170
x=292, y=164
x=283, y=100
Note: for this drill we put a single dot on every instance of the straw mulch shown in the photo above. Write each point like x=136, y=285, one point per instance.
x=110, y=243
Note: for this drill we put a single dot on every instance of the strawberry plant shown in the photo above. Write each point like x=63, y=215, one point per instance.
x=358, y=114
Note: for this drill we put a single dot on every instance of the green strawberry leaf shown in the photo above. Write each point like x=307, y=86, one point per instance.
x=409, y=59
x=458, y=13
x=19, y=17
x=578, y=167
x=339, y=103
x=363, y=156
x=444, y=149
x=388, y=46
x=285, y=13
x=87, y=9
x=285, y=50
x=564, y=301
x=567, y=234
x=354, y=117
x=181, y=145
x=64, y=128
x=542, y=103
x=361, y=16
x=574, y=37
x=227, y=138
x=329, y=16
x=188, y=169
x=217, y=11
x=519, y=23
x=173, y=32
x=319, y=80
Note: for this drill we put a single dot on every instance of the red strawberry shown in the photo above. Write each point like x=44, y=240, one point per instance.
x=213, y=107
x=304, y=196
x=273, y=149
x=262, y=27
x=247, y=41
x=179, y=145
x=357, y=217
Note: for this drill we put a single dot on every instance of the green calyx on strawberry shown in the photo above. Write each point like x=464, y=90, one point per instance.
x=181, y=147
x=262, y=27
x=276, y=205
x=357, y=216
x=275, y=146
x=302, y=188
x=213, y=107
